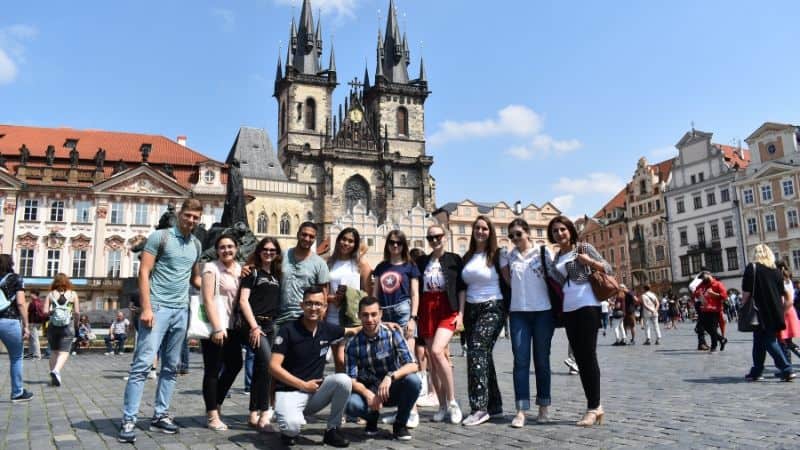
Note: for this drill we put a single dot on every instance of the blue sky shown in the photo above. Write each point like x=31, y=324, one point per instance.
x=532, y=100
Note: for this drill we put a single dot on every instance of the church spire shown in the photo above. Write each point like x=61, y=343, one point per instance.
x=279, y=71
x=307, y=44
x=394, y=57
x=422, y=76
x=366, y=77
x=332, y=61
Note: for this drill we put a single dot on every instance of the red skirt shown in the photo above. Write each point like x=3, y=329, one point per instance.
x=435, y=312
x=792, y=325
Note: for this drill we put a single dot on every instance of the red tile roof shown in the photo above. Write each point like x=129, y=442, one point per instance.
x=617, y=202
x=732, y=156
x=118, y=145
x=663, y=169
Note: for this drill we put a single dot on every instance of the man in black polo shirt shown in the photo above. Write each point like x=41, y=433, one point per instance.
x=298, y=365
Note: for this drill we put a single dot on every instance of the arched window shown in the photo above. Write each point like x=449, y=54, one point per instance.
x=285, y=225
x=309, y=216
x=282, y=113
x=261, y=223
x=356, y=189
x=311, y=114
x=402, y=121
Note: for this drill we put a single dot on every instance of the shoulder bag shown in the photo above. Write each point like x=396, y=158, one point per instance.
x=748, y=314
x=554, y=291
x=604, y=286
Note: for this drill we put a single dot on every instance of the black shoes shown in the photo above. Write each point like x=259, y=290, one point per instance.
x=372, y=427
x=335, y=439
x=288, y=440
x=722, y=344
x=646, y=342
x=25, y=396
x=400, y=432
x=164, y=423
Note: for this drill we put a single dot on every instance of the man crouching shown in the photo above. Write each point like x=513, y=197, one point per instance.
x=383, y=371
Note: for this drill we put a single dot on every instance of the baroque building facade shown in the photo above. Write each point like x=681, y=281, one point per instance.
x=768, y=190
x=704, y=226
x=78, y=202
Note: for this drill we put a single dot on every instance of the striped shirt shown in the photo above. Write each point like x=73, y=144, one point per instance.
x=369, y=359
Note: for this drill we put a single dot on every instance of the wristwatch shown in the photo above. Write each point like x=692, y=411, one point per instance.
x=414, y=318
x=390, y=376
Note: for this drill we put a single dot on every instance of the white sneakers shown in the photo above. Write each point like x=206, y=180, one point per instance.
x=452, y=410
x=476, y=418
x=413, y=419
x=428, y=401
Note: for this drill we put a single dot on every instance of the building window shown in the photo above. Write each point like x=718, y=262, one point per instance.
x=685, y=272
x=658, y=205
x=694, y=179
x=680, y=206
x=539, y=232
x=697, y=263
x=728, y=228
x=261, y=224
x=82, y=211
x=701, y=235
x=285, y=225
x=660, y=253
x=684, y=236
x=796, y=259
x=26, y=262
x=766, y=192
x=752, y=226
x=611, y=256
x=622, y=254
x=788, y=188
x=115, y=217
x=791, y=219
x=747, y=196
x=31, y=210
x=724, y=195
x=733, y=258
x=136, y=262
x=769, y=223
x=698, y=202
x=79, y=264
x=711, y=199
x=311, y=114
x=402, y=121
x=140, y=214
x=700, y=177
x=53, y=260
x=462, y=229
x=715, y=261
x=714, y=232
x=114, y=259
x=57, y=211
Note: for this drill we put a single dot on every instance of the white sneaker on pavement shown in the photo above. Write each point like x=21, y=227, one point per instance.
x=428, y=401
x=455, y=412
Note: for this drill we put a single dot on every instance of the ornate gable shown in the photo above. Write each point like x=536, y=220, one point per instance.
x=80, y=242
x=142, y=181
x=27, y=240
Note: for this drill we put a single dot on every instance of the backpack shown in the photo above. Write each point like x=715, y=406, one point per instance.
x=5, y=302
x=36, y=311
x=61, y=315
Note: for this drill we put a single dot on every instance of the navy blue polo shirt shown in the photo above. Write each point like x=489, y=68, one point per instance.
x=304, y=353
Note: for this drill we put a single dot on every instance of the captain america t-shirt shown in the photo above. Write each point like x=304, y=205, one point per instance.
x=395, y=281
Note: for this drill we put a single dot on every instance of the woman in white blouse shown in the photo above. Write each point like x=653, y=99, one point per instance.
x=531, y=320
x=574, y=263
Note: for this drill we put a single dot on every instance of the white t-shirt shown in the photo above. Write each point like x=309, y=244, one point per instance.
x=343, y=272
x=576, y=295
x=528, y=288
x=433, y=277
x=604, y=307
x=649, y=300
x=483, y=282
x=119, y=327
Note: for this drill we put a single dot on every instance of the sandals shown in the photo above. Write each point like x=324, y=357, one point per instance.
x=220, y=426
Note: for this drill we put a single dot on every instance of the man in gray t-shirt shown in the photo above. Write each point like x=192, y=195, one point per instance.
x=302, y=267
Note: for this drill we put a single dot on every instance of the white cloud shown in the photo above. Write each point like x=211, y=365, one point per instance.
x=12, y=50
x=662, y=153
x=594, y=183
x=340, y=7
x=564, y=202
x=227, y=18
x=544, y=145
x=516, y=120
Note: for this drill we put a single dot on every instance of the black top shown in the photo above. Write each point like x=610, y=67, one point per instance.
x=767, y=293
x=304, y=353
x=265, y=293
x=11, y=286
x=452, y=265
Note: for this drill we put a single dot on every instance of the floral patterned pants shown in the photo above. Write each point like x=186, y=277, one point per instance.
x=484, y=320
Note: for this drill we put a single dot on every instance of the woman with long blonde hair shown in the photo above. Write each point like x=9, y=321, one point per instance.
x=763, y=284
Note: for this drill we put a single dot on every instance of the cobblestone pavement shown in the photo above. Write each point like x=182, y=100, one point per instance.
x=667, y=396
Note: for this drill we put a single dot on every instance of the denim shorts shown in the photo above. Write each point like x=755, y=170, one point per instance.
x=399, y=313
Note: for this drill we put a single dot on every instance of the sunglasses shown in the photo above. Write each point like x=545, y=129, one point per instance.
x=394, y=243
x=516, y=235
x=434, y=237
x=269, y=250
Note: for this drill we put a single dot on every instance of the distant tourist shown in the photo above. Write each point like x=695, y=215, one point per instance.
x=62, y=305
x=13, y=325
x=36, y=317
x=84, y=336
x=117, y=333
x=712, y=294
x=650, y=306
x=169, y=262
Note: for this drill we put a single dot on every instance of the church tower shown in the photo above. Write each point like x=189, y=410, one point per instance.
x=304, y=94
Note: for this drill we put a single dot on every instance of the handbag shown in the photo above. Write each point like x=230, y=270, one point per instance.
x=554, y=291
x=199, y=324
x=604, y=286
x=748, y=314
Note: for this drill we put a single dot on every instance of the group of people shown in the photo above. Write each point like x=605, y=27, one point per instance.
x=388, y=328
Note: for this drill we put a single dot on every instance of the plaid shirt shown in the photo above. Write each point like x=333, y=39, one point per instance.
x=369, y=359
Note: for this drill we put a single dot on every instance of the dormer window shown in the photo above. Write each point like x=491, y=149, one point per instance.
x=209, y=176
x=70, y=143
x=771, y=149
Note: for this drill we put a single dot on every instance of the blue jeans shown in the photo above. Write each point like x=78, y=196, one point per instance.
x=167, y=334
x=403, y=394
x=120, y=341
x=527, y=327
x=767, y=342
x=11, y=335
x=249, y=358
